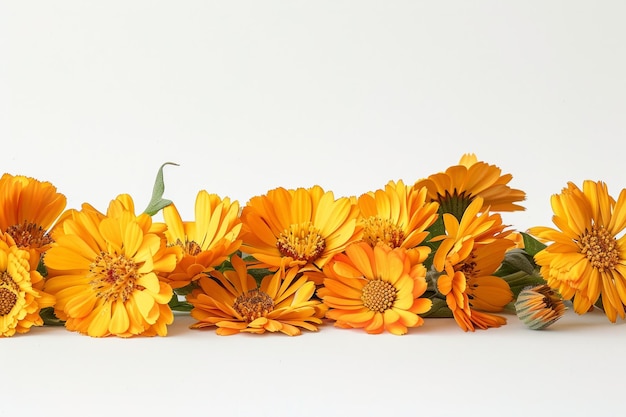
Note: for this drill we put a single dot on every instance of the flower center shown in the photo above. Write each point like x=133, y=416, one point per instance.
x=29, y=235
x=378, y=295
x=114, y=277
x=382, y=231
x=253, y=304
x=8, y=293
x=468, y=267
x=190, y=247
x=600, y=247
x=301, y=242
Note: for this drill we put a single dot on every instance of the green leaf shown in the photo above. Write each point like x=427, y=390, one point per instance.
x=519, y=260
x=157, y=203
x=178, y=305
x=531, y=245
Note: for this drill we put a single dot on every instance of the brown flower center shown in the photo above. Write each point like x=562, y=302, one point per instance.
x=301, y=242
x=8, y=293
x=29, y=235
x=468, y=267
x=382, y=231
x=114, y=277
x=253, y=304
x=8, y=299
x=378, y=295
x=190, y=247
x=600, y=247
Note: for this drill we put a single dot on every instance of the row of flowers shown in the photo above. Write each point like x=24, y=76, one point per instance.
x=292, y=258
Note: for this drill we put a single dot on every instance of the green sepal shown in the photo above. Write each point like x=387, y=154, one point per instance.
x=41, y=268
x=49, y=318
x=157, y=203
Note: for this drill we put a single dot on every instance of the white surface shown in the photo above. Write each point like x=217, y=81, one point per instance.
x=250, y=95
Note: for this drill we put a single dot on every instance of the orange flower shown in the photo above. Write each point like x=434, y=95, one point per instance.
x=469, y=254
x=21, y=289
x=460, y=184
x=234, y=303
x=104, y=271
x=300, y=228
x=398, y=216
x=28, y=208
x=585, y=259
x=375, y=289
x=206, y=242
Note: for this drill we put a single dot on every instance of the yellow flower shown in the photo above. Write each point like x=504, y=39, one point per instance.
x=398, y=216
x=28, y=208
x=104, y=271
x=469, y=254
x=21, y=294
x=460, y=184
x=376, y=289
x=233, y=303
x=300, y=228
x=586, y=257
x=206, y=242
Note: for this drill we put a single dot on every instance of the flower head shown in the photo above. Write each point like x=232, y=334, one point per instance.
x=461, y=184
x=234, y=303
x=300, y=228
x=105, y=269
x=469, y=254
x=206, y=242
x=376, y=289
x=28, y=208
x=585, y=259
x=397, y=216
x=21, y=294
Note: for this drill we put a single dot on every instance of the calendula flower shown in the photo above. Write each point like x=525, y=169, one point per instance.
x=300, y=228
x=21, y=289
x=585, y=259
x=461, y=184
x=28, y=209
x=104, y=271
x=469, y=254
x=234, y=303
x=375, y=289
x=397, y=217
x=539, y=307
x=206, y=242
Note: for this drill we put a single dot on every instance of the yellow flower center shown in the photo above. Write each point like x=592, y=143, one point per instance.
x=378, y=295
x=8, y=293
x=253, y=304
x=600, y=247
x=29, y=235
x=382, y=231
x=301, y=242
x=190, y=247
x=114, y=277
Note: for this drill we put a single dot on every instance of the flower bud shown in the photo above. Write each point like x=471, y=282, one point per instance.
x=538, y=307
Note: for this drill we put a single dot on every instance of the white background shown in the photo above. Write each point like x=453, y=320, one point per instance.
x=250, y=95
